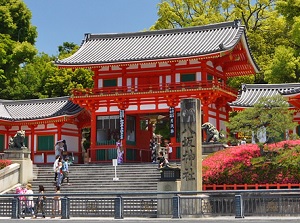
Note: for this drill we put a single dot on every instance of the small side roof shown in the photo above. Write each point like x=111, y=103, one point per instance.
x=162, y=44
x=251, y=93
x=18, y=110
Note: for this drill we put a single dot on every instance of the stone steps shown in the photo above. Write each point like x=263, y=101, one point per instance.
x=99, y=178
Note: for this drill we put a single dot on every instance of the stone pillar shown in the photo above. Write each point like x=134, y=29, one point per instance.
x=191, y=157
x=191, y=145
x=22, y=157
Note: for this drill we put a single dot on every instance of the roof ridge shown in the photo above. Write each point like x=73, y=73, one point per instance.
x=235, y=23
x=33, y=101
x=285, y=85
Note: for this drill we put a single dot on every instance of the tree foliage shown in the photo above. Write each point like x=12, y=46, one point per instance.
x=24, y=74
x=270, y=116
x=17, y=38
x=269, y=24
x=44, y=80
x=285, y=66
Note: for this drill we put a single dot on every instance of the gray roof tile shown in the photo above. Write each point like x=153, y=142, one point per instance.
x=251, y=93
x=291, y=92
x=17, y=110
x=161, y=44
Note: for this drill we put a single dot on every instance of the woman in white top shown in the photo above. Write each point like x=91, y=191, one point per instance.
x=29, y=200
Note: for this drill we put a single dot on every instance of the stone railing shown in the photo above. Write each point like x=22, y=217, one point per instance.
x=9, y=176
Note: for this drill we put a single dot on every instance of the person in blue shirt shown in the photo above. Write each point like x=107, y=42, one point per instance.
x=65, y=170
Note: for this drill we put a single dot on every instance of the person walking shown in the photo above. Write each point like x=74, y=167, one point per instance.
x=169, y=150
x=55, y=166
x=64, y=149
x=40, y=203
x=56, y=203
x=59, y=147
x=65, y=170
x=59, y=172
x=29, y=209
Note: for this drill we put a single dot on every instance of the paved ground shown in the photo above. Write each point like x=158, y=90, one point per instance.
x=137, y=220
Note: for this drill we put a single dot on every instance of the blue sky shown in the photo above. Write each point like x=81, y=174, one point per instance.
x=59, y=21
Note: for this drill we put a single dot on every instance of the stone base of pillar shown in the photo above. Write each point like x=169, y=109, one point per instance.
x=194, y=206
x=22, y=157
x=212, y=147
x=164, y=209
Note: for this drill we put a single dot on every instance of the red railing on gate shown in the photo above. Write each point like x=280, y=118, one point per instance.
x=249, y=186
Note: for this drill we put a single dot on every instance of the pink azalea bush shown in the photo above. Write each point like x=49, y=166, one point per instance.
x=4, y=163
x=244, y=164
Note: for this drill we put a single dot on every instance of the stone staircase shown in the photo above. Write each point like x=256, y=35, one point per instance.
x=94, y=178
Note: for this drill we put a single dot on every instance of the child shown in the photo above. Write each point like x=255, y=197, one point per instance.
x=22, y=199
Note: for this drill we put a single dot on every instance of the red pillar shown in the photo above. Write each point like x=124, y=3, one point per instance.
x=7, y=135
x=205, y=112
x=32, y=132
x=93, y=135
x=125, y=138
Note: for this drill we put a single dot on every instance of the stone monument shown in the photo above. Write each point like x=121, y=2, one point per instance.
x=17, y=152
x=191, y=145
x=191, y=157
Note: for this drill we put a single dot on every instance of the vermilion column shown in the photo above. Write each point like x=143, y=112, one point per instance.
x=32, y=132
x=93, y=135
x=7, y=135
x=59, y=134
x=205, y=112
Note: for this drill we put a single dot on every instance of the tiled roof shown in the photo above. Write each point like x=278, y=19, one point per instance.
x=291, y=92
x=161, y=44
x=251, y=93
x=37, y=108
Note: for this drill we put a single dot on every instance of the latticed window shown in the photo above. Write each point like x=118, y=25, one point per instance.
x=187, y=77
x=110, y=83
x=45, y=143
x=1, y=143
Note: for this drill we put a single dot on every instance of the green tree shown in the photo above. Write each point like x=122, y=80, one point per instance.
x=265, y=27
x=67, y=49
x=34, y=75
x=61, y=82
x=17, y=38
x=270, y=116
x=42, y=79
x=285, y=67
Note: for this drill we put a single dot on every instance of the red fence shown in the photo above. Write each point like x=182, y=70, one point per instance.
x=249, y=186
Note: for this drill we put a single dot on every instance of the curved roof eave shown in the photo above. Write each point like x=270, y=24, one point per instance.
x=35, y=109
x=249, y=53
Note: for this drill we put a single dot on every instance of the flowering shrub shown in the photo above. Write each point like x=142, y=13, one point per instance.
x=244, y=164
x=4, y=163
